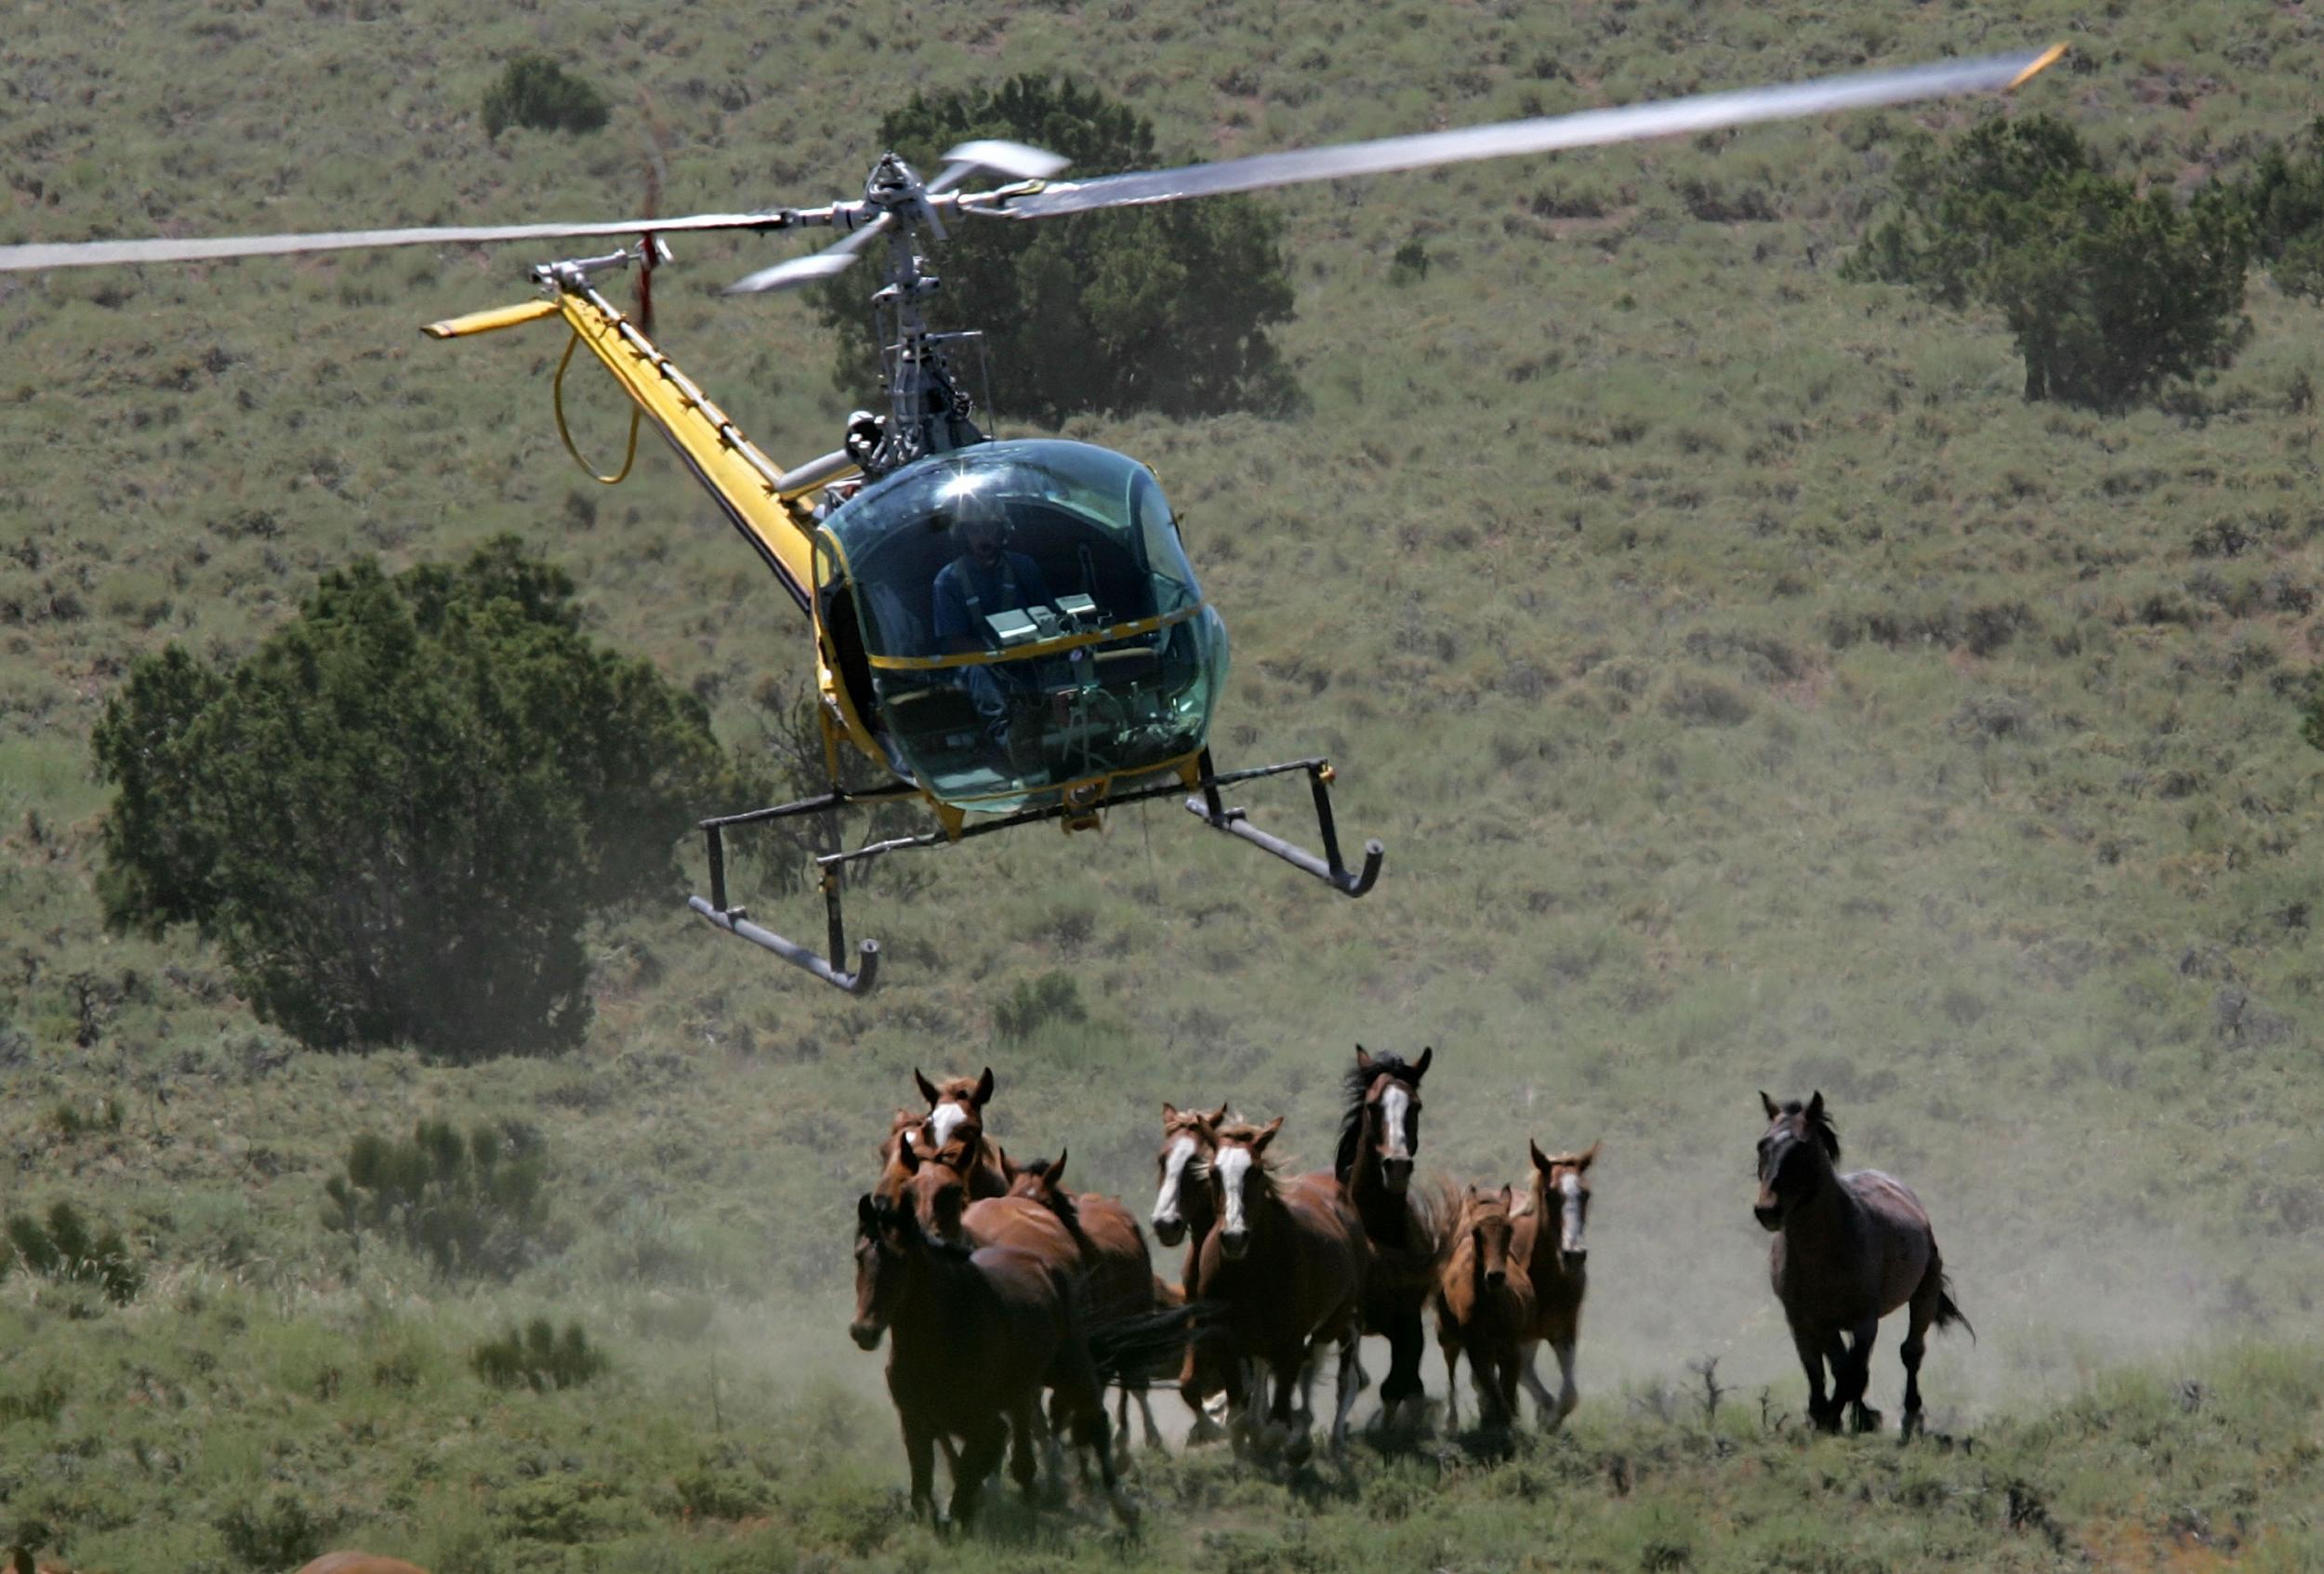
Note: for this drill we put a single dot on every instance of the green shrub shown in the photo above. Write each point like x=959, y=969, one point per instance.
x=535, y=91
x=396, y=815
x=275, y=1530
x=1054, y=996
x=474, y=1208
x=67, y=1250
x=2109, y=293
x=1164, y=308
x=540, y=1358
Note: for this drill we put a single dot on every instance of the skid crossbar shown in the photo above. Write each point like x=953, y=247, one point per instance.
x=831, y=867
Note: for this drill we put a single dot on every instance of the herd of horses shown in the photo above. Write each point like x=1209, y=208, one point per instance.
x=997, y=1288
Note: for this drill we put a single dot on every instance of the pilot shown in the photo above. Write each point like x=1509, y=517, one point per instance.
x=986, y=579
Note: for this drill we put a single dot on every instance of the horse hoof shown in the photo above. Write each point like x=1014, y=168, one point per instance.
x=1299, y=1449
x=1866, y=1419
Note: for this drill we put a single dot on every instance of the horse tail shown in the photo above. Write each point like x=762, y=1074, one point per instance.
x=1148, y=1347
x=1947, y=1313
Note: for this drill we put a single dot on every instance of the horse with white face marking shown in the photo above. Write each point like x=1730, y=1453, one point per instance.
x=1380, y=1137
x=1285, y=1265
x=1848, y=1250
x=1552, y=1242
x=955, y=1113
x=1181, y=1192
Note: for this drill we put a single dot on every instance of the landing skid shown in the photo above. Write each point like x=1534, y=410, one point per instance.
x=1206, y=805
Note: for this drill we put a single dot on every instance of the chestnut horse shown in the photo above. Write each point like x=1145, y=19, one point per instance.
x=953, y=1104
x=1284, y=1267
x=1848, y=1250
x=1119, y=1272
x=973, y=1340
x=1554, y=1244
x=1484, y=1307
x=1182, y=1212
x=1380, y=1134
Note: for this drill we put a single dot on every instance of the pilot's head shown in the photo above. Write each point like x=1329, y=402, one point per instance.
x=981, y=529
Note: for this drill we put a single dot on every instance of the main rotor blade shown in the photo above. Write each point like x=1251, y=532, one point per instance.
x=813, y=267
x=1633, y=122
x=91, y=254
x=1013, y=159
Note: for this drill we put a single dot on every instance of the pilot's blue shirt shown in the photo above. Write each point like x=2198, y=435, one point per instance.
x=966, y=593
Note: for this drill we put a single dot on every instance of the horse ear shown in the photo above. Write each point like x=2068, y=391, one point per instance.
x=1768, y=1104
x=1057, y=1171
x=1509, y=1199
x=1169, y=1112
x=866, y=1216
x=1216, y=1117
x=985, y=1089
x=1815, y=1105
x=1364, y=1060
x=1420, y=1067
x=928, y=1089
x=1588, y=1154
x=1007, y=1170
x=1470, y=1195
x=1266, y=1134
x=1541, y=1160
x=908, y=1154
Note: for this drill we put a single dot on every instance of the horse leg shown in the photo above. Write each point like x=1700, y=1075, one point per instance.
x=1568, y=1393
x=1192, y=1386
x=1024, y=1414
x=1121, y=1420
x=1848, y=1389
x=1812, y=1347
x=1923, y=1312
x=980, y=1452
x=1544, y=1407
x=919, y=1452
x=1280, y=1432
x=1449, y=1346
x=1351, y=1382
x=1145, y=1413
x=1407, y=1344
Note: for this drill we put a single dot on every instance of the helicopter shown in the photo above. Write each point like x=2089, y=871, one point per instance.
x=1008, y=631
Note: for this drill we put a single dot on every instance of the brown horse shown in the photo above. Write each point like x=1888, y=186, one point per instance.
x=1380, y=1134
x=1283, y=1266
x=973, y=1339
x=1552, y=1242
x=1848, y=1250
x=1119, y=1272
x=907, y=1149
x=1484, y=1307
x=954, y=1101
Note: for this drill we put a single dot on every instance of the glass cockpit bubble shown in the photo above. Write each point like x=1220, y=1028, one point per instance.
x=1029, y=621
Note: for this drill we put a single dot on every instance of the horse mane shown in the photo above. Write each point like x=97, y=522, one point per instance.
x=1357, y=1082
x=1819, y=1122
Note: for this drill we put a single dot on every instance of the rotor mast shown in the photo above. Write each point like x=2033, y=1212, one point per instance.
x=927, y=409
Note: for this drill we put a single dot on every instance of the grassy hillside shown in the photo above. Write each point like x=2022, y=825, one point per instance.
x=1752, y=691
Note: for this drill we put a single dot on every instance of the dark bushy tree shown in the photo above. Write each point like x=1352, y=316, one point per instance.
x=2285, y=199
x=1163, y=309
x=537, y=91
x=395, y=816
x=2109, y=293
